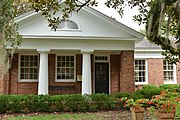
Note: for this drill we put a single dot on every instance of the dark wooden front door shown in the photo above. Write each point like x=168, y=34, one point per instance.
x=102, y=78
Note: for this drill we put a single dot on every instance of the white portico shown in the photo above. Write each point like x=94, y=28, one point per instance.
x=56, y=59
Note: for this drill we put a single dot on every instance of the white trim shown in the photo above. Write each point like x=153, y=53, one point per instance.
x=174, y=76
x=81, y=37
x=148, y=50
x=99, y=54
x=146, y=73
x=19, y=67
x=65, y=80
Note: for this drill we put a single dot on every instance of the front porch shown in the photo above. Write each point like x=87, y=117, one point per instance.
x=94, y=72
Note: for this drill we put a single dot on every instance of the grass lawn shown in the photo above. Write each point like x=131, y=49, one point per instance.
x=103, y=115
x=56, y=117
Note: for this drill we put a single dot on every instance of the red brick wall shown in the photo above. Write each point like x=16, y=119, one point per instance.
x=16, y=87
x=115, y=73
x=155, y=71
x=1, y=87
x=121, y=74
x=178, y=73
x=127, y=71
x=58, y=87
x=1, y=80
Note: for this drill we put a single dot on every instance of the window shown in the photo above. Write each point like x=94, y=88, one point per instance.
x=29, y=67
x=101, y=58
x=140, y=72
x=65, y=68
x=169, y=72
x=68, y=25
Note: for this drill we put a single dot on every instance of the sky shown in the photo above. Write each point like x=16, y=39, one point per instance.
x=126, y=19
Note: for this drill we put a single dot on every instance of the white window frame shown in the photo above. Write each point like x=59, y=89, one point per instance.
x=146, y=73
x=174, y=75
x=19, y=68
x=65, y=80
x=67, y=29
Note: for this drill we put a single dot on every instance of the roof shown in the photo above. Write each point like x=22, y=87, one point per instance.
x=146, y=44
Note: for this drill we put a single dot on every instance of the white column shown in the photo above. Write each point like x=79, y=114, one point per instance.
x=43, y=74
x=86, y=73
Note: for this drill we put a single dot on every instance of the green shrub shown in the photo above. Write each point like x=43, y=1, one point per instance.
x=4, y=103
x=149, y=86
x=17, y=104
x=57, y=103
x=122, y=94
x=76, y=103
x=39, y=103
x=169, y=87
x=146, y=92
x=103, y=102
x=137, y=95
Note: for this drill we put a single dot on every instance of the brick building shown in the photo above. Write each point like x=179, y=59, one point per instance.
x=151, y=67
x=89, y=53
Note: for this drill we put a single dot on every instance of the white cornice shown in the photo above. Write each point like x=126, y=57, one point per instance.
x=79, y=37
x=148, y=50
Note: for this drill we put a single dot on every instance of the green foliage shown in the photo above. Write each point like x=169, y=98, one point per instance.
x=147, y=92
x=103, y=102
x=137, y=95
x=170, y=87
x=121, y=94
x=149, y=86
x=57, y=103
x=8, y=33
x=4, y=101
x=76, y=103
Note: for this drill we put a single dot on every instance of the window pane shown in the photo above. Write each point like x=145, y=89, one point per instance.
x=65, y=67
x=140, y=71
x=168, y=71
x=29, y=66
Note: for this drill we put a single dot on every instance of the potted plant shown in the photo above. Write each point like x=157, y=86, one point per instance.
x=164, y=106
x=137, y=108
x=165, y=110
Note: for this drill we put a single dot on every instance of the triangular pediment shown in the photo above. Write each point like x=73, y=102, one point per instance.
x=91, y=24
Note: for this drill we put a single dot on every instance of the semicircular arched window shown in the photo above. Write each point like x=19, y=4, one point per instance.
x=68, y=25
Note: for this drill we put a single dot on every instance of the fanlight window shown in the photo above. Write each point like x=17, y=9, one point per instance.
x=68, y=25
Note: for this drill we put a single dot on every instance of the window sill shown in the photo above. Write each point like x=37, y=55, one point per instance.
x=70, y=80
x=141, y=83
x=27, y=80
x=170, y=82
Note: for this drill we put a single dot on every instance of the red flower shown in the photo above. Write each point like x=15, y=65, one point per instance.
x=177, y=99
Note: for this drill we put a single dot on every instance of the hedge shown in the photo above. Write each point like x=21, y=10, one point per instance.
x=70, y=103
x=56, y=103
